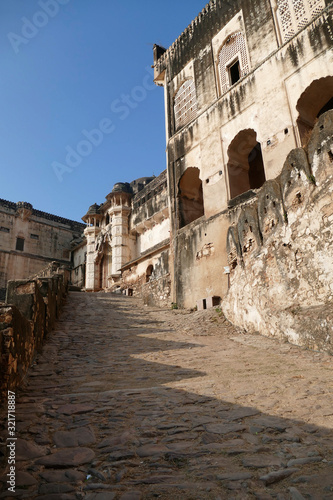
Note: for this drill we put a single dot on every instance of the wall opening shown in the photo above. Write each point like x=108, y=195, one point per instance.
x=190, y=197
x=245, y=163
x=149, y=273
x=316, y=99
x=20, y=244
x=234, y=72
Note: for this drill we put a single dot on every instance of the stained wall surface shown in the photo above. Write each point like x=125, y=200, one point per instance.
x=280, y=250
x=251, y=92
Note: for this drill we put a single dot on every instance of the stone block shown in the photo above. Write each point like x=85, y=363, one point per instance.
x=249, y=234
x=270, y=209
x=212, y=301
x=201, y=304
x=17, y=344
x=47, y=288
x=26, y=296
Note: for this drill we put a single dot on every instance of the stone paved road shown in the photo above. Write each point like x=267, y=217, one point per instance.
x=128, y=402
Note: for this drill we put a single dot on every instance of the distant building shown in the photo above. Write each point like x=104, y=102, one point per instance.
x=31, y=239
x=128, y=240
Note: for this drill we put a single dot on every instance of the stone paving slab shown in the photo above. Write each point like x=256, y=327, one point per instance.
x=127, y=402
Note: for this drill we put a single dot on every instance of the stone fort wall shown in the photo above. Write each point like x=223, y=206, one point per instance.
x=280, y=250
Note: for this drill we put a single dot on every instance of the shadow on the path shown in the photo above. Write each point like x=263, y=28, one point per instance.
x=164, y=442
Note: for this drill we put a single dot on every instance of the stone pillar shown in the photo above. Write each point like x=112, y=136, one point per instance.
x=91, y=234
x=120, y=211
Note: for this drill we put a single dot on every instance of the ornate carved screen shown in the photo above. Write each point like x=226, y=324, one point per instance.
x=234, y=46
x=185, y=103
x=293, y=15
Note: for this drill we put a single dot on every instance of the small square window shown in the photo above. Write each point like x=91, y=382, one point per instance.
x=234, y=72
x=5, y=229
x=34, y=236
x=20, y=244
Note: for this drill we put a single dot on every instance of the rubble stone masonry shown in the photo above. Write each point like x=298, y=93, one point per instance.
x=31, y=309
x=280, y=250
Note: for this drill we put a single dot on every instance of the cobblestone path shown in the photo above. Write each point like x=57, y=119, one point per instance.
x=127, y=402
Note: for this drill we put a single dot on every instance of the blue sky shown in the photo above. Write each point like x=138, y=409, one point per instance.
x=78, y=110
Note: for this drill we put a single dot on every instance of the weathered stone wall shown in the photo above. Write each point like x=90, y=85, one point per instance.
x=283, y=85
x=157, y=292
x=198, y=260
x=30, y=312
x=17, y=347
x=150, y=278
x=79, y=253
x=280, y=250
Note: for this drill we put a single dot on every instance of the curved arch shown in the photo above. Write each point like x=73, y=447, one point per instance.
x=245, y=163
x=190, y=196
x=149, y=272
x=185, y=103
x=232, y=61
x=313, y=102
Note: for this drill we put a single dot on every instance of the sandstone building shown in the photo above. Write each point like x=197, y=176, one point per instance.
x=30, y=239
x=244, y=84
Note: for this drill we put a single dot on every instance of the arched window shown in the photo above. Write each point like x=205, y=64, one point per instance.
x=293, y=15
x=190, y=197
x=149, y=273
x=245, y=163
x=185, y=103
x=233, y=62
x=314, y=101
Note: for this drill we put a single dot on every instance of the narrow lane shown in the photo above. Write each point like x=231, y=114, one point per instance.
x=127, y=402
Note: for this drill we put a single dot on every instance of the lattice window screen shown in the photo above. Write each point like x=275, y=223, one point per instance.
x=234, y=45
x=316, y=6
x=295, y=14
x=185, y=103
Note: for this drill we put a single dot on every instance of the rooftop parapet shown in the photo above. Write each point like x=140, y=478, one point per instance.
x=23, y=205
x=161, y=55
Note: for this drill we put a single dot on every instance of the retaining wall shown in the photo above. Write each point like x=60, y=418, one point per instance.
x=280, y=250
x=31, y=309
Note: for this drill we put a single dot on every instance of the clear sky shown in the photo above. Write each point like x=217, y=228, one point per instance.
x=78, y=109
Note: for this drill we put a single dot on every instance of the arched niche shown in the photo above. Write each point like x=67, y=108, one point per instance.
x=245, y=163
x=316, y=99
x=149, y=272
x=190, y=197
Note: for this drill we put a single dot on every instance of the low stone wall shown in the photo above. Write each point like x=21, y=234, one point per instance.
x=17, y=347
x=31, y=309
x=157, y=292
x=280, y=250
